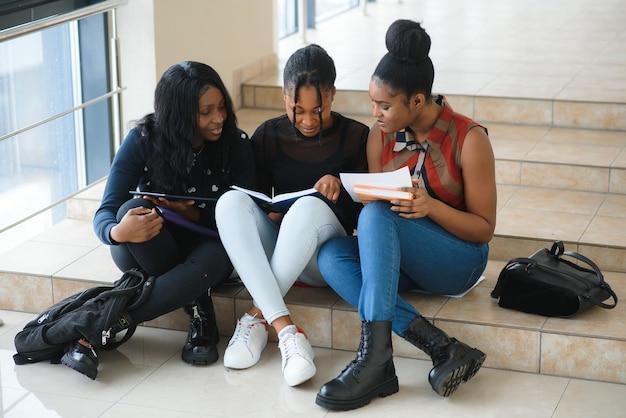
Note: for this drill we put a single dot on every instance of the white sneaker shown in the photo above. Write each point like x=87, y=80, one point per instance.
x=298, y=366
x=247, y=343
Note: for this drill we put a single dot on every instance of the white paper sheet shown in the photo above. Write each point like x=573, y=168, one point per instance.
x=392, y=179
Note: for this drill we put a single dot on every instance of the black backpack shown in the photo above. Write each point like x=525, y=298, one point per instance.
x=96, y=314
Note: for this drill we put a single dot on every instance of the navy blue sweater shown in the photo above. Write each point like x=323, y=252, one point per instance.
x=129, y=172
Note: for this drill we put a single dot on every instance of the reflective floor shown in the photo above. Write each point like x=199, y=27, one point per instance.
x=147, y=378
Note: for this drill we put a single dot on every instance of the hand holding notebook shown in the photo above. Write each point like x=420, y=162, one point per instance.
x=282, y=202
x=172, y=197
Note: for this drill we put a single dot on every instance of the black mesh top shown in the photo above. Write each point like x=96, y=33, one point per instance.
x=287, y=161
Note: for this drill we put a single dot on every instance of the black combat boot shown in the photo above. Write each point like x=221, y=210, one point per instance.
x=203, y=336
x=82, y=357
x=369, y=375
x=453, y=361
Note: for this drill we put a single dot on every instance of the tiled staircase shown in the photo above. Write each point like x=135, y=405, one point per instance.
x=556, y=180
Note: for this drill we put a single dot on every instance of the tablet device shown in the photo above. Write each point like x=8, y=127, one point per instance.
x=173, y=196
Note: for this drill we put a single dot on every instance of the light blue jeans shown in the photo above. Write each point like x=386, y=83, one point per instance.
x=268, y=258
x=392, y=254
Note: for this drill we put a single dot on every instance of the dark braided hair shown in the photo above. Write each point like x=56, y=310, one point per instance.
x=171, y=130
x=309, y=66
x=407, y=68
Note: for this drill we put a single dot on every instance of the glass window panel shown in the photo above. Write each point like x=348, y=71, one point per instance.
x=50, y=150
x=37, y=168
x=35, y=78
x=287, y=18
x=325, y=9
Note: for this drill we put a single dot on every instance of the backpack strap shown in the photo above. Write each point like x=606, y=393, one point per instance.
x=53, y=354
x=145, y=293
x=112, y=345
x=604, y=285
x=129, y=324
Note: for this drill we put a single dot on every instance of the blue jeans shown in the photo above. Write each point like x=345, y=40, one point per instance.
x=393, y=254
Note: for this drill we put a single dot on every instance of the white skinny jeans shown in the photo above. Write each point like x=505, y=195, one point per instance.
x=268, y=258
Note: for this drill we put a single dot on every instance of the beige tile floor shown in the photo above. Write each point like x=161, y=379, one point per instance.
x=146, y=378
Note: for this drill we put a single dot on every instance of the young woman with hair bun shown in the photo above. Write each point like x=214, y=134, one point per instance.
x=435, y=243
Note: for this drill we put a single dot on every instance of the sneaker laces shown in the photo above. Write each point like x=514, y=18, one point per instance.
x=289, y=345
x=244, y=328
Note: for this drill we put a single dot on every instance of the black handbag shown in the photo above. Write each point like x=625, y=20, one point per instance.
x=547, y=284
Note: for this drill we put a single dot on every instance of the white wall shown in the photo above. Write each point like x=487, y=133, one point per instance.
x=236, y=37
x=135, y=30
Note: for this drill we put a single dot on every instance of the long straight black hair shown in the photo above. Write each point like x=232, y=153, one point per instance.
x=171, y=130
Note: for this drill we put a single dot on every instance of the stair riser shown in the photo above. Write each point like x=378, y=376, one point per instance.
x=508, y=348
x=611, y=116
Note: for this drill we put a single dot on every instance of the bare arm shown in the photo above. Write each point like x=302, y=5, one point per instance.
x=375, y=149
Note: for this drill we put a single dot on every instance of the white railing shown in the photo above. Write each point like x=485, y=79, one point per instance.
x=48, y=22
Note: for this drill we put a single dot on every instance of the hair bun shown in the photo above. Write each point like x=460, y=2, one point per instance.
x=407, y=41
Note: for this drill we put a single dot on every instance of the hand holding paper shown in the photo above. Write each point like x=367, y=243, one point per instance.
x=366, y=193
x=378, y=186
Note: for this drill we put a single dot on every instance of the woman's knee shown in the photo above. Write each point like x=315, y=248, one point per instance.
x=376, y=215
x=131, y=204
x=309, y=206
x=311, y=212
x=231, y=203
x=374, y=210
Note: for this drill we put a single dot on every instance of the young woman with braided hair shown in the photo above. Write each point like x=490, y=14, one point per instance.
x=306, y=147
x=436, y=243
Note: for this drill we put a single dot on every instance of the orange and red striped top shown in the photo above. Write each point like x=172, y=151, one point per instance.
x=441, y=172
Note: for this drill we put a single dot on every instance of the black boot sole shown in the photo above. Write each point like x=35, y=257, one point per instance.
x=90, y=372
x=200, y=359
x=450, y=378
x=388, y=388
x=477, y=364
